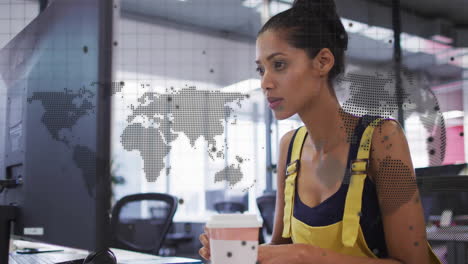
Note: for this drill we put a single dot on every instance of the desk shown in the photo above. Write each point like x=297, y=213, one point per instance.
x=123, y=256
x=456, y=238
x=128, y=257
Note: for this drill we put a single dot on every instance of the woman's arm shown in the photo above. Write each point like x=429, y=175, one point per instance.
x=392, y=171
x=277, y=238
x=308, y=254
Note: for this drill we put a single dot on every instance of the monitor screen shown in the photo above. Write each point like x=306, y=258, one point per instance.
x=54, y=131
x=434, y=203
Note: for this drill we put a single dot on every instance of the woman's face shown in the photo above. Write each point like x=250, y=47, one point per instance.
x=290, y=80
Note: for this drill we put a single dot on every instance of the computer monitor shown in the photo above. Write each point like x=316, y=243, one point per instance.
x=435, y=202
x=55, y=82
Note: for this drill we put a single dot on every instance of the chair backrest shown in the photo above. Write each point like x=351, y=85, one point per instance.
x=229, y=207
x=266, y=204
x=140, y=222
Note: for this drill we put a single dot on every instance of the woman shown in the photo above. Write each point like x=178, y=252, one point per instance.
x=346, y=185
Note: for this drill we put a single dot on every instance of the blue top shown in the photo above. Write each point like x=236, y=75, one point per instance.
x=331, y=210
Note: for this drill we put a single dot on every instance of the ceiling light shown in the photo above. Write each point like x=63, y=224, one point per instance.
x=413, y=43
x=251, y=3
x=453, y=114
x=442, y=39
x=377, y=33
x=353, y=26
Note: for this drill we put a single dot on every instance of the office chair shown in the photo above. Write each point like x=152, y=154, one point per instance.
x=174, y=240
x=266, y=205
x=140, y=222
x=229, y=207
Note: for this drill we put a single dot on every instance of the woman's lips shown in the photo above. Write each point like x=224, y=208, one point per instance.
x=275, y=103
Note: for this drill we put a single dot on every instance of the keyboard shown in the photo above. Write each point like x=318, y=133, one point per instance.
x=44, y=258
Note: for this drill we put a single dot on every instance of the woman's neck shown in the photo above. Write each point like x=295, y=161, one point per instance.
x=328, y=125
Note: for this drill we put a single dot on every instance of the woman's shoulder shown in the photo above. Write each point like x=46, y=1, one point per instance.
x=384, y=125
x=386, y=132
x=287, y=137
x=388, y=125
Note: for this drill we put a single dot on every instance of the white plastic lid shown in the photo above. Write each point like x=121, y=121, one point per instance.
x=234, y=221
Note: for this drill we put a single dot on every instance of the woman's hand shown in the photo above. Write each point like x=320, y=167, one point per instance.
x=205, y=250
x=267, y=254
x=280, y=254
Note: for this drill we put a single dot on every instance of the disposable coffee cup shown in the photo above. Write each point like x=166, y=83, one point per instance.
x=233, y=238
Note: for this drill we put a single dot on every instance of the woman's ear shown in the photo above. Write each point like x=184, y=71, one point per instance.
x=326, y=61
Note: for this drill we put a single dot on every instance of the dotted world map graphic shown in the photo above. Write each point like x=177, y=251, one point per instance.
x=62, y=111
x=159, y=119
x=194, y=113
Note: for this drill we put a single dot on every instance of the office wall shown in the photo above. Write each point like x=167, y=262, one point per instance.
x=14, y=16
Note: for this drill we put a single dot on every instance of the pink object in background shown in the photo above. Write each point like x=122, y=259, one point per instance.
x=455, y=151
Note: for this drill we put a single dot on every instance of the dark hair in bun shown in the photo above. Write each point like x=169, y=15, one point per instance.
x=312, y=25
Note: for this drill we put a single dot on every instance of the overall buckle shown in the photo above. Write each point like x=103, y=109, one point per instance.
x=356, y=166
x=292, y=167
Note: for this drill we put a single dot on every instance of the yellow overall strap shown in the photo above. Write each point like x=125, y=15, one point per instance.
x=352, y=210
x=291, y=171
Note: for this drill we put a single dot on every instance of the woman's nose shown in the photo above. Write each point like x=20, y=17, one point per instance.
x=267, y=81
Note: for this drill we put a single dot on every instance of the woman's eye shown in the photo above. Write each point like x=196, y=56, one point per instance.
x=279, y=64
x=259, y=70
